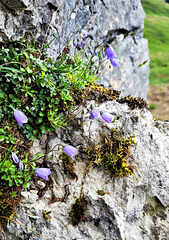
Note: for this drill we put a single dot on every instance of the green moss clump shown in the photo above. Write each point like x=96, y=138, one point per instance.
x=133, y=102
x=78, y=211
x=111, y=154
x=68, y=165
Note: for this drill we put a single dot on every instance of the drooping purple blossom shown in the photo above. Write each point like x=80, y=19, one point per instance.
x=94, y=113
x=79, y=44
x=43, y=173
x=20, y=117
x=107, y=117
x=83, y=33
x=70, y=150
x=110, y=52
x=91, y=51
x=21, y=166
x=15, y=157
x=115, y=62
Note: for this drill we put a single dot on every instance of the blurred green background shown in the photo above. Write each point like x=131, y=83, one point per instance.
x=157, y=32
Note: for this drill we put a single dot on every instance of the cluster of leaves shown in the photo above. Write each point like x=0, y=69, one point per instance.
x=6, y=135
x=41, y=88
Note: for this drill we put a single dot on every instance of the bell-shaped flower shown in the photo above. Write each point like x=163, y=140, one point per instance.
x=15, y=157
x=21, y=166
x=20, y=117
x=79, y=44
x=83, y=33
x=91, y=51
x=94, y=113
x=70, y=150
x=110, y=52
x=43, y=173
x=115, y=62
x=107, y=117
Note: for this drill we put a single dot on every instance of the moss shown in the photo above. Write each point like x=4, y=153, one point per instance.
x=68, y=165
x=111, y=154
x=102, y=93
x=102, y=192
x=133, y=102
x=95, y=92
x=7, y=203
x=78, y=211
x=46, y=214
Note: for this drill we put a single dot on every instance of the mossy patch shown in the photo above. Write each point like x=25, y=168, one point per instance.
x=78, y=211
x=102, y=192
x=46, y=214
x=133, y=102
x=94, y=92
x=68, y=165
x=111, y=154
x=7, y=203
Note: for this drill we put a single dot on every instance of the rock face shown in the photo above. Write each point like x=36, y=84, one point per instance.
x=125, y=208
x=119, y=23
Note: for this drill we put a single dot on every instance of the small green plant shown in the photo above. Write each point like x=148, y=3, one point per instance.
x=152, y=106
x=10, y=171
x=6, y=135
x=41, y=88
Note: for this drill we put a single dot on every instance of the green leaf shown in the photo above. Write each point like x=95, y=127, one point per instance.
x=13, y=194
x=143, y=63
x=10, y=184
x=26, y=184
x=10, y=69
x=41, y=114
x=29, y=70
x=2, y=138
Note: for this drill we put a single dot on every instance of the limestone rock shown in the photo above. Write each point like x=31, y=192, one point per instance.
x=120, y=23
x=117, y=208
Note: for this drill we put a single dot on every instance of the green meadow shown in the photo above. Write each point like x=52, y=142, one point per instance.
x=157, y=32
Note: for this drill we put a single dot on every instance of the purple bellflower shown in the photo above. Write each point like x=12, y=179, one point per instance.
x=107, y=117
x=110, y=52
x=91, y=51
x=15, y=157
x=70, y=150
x=83, y=33
x=43, y=173
x=94, y=113
x=79, y=45
x=21, y=166
x=115, y=62
x=20, y=117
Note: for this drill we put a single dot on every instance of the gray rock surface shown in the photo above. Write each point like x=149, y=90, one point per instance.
x=119, y=22
x=129, y=210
